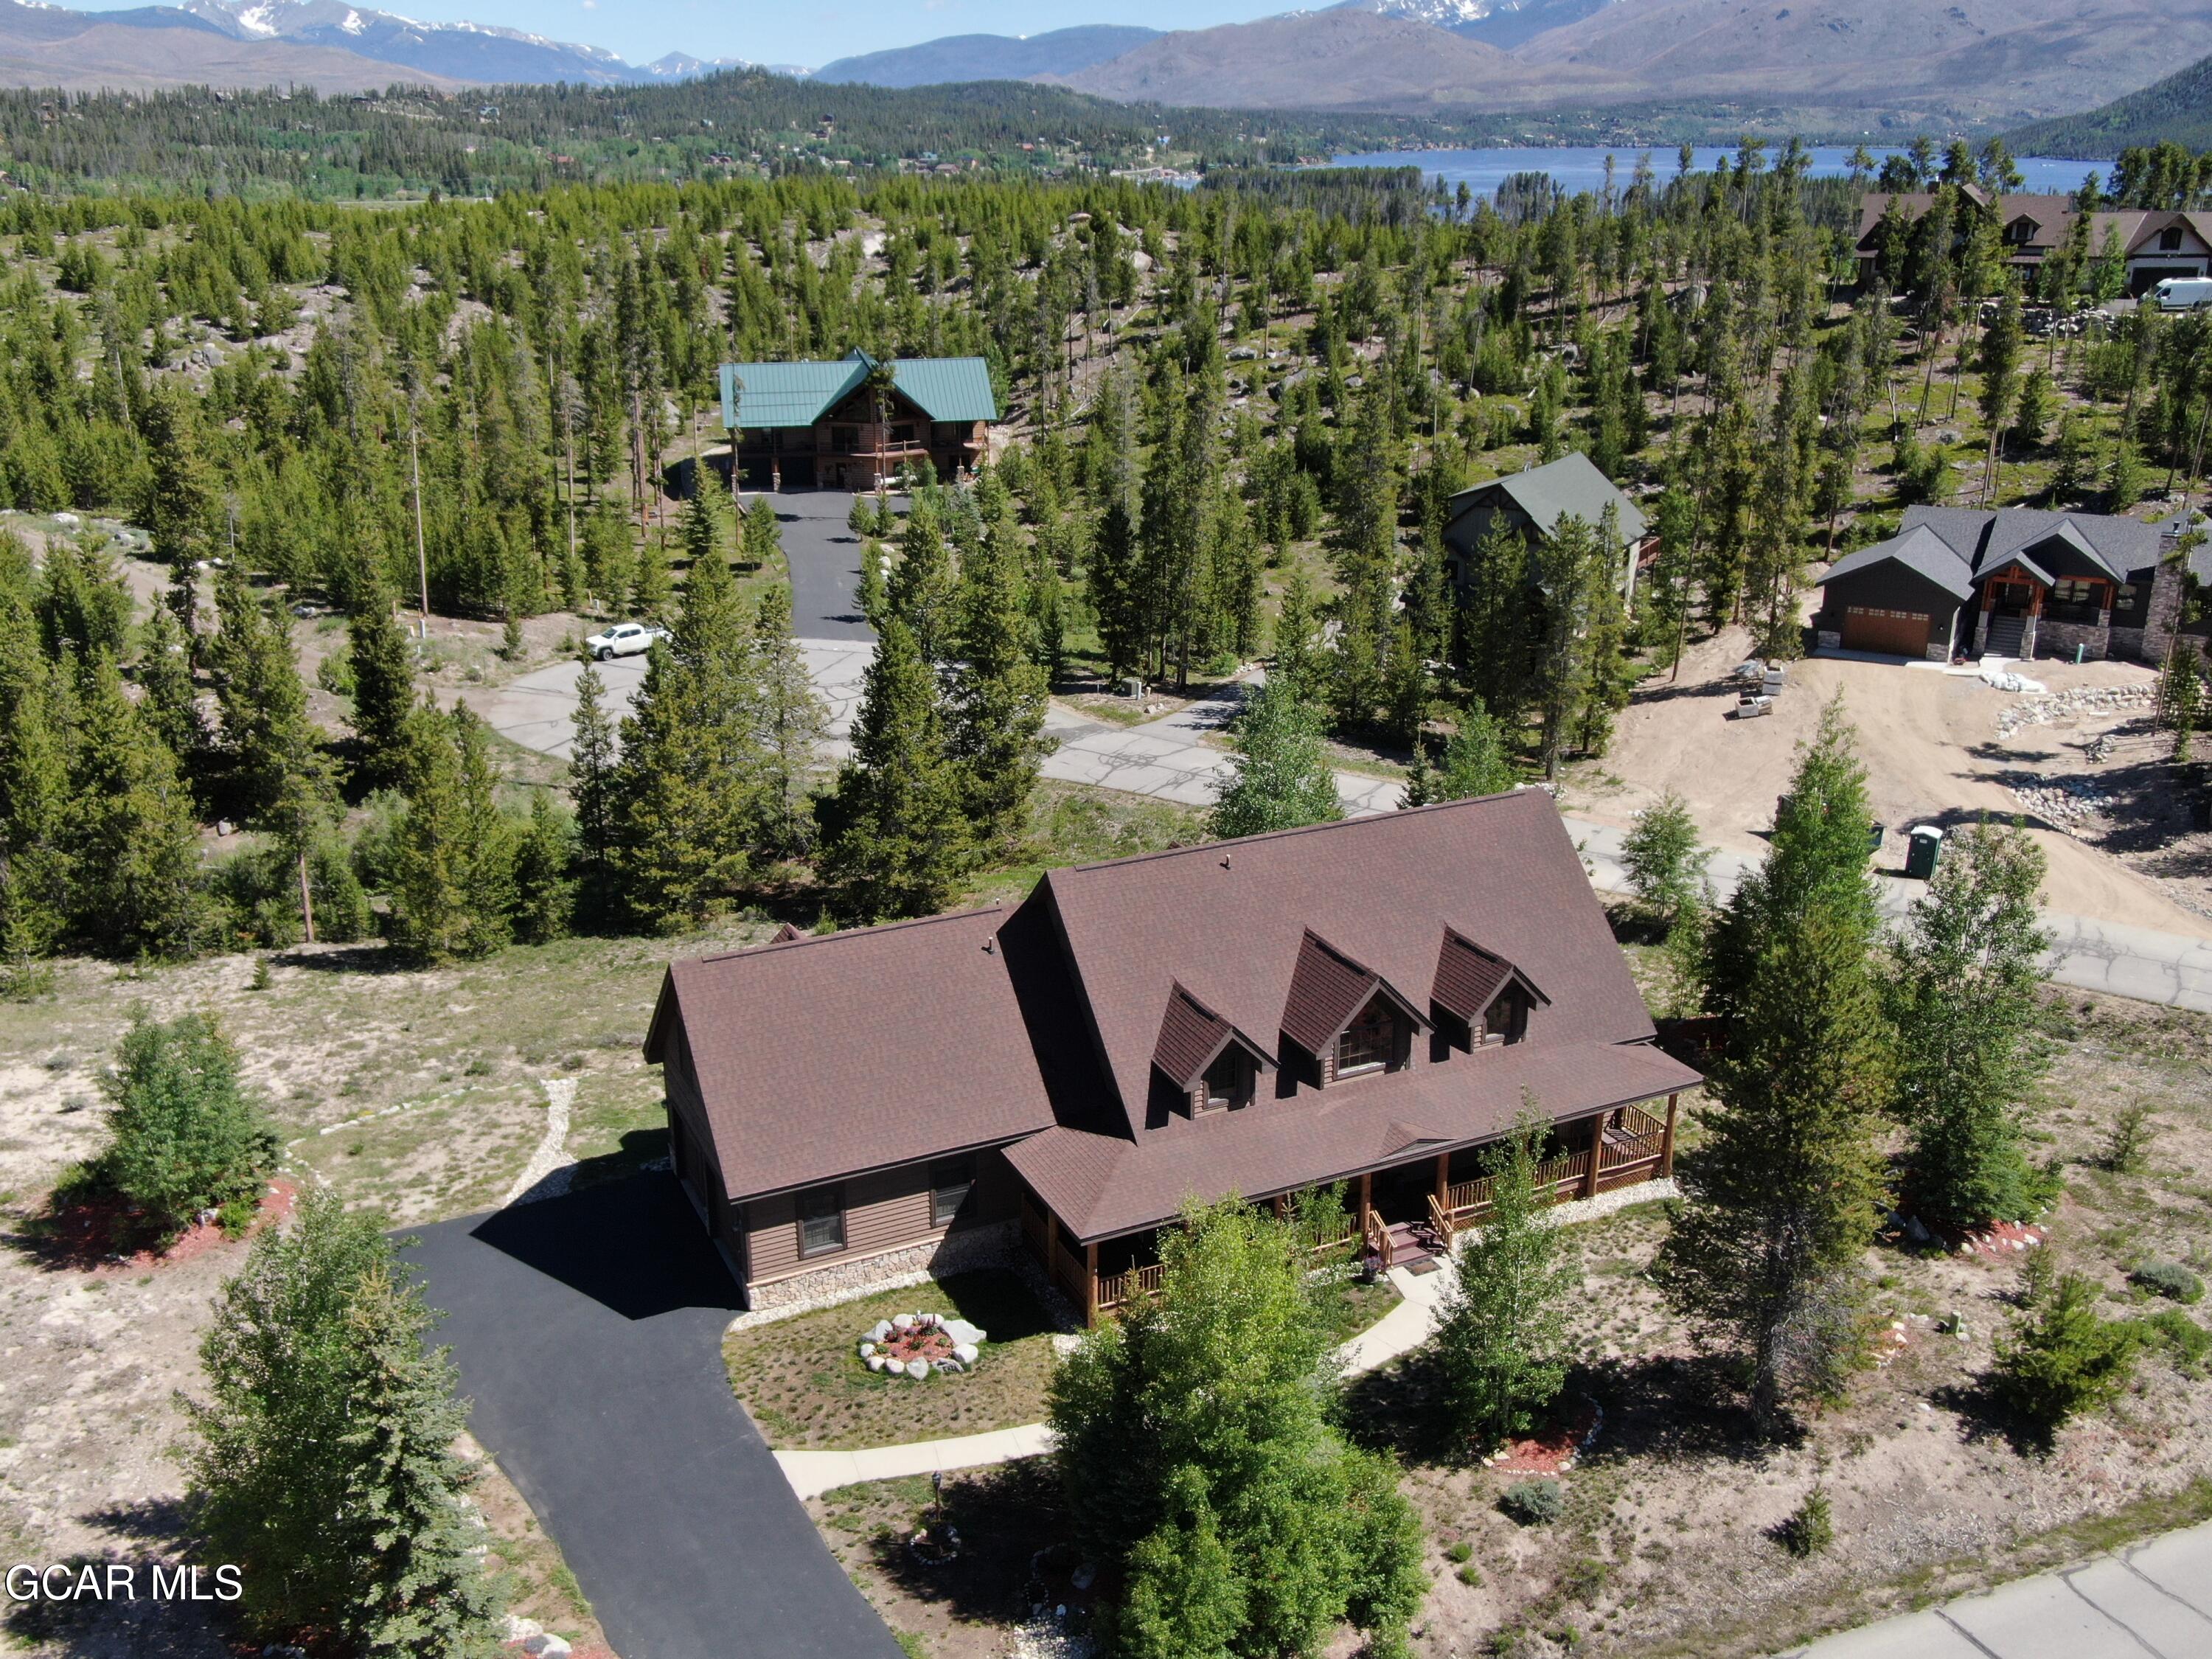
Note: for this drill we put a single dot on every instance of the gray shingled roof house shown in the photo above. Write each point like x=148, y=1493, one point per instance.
x=1368, y=1002
x=2010, y=582
x=1533, y=502
x=2155, y=242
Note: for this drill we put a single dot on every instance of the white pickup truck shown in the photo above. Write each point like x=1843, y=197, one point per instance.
x=624, y=640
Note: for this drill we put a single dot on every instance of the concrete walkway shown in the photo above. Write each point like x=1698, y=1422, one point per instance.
x=2150, y=1601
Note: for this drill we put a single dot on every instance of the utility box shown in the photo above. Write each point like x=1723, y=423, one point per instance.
x=1927, y=846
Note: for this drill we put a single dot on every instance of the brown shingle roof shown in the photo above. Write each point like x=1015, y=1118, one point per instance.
x=1192, y=1035
x=1101, y=1185
x=1469, y=978
x=822, y=1057
x=1327, y=989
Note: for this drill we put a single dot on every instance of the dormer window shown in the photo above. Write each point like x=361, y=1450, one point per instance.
x=2169, y=240
x=1227, y=1084
x=1369, y=1043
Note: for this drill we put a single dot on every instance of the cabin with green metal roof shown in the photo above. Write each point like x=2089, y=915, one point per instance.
x=856, y=423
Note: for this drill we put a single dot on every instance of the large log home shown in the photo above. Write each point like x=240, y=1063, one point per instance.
x=1368, y=1002
x=841, y=426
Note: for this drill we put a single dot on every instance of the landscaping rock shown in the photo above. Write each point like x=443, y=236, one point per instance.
x=879, y=1330
x=546, y=1645
x=1085, y=1575
x=950, y=1368
x=867, y=1348
x=877, y=1361
x=902, y=1322
x=961, y=1331
x=966, y=1353
x=917, y=1368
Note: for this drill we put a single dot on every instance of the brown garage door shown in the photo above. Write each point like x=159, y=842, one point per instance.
x=1899, y=633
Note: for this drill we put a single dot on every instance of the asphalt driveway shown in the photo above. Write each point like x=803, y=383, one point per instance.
x=825, y=564
x=588, y=1331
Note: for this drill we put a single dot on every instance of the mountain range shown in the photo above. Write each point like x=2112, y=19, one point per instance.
x=1873, y=65
x=325, y=44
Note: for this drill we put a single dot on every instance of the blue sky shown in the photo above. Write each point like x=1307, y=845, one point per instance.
x=809, y=31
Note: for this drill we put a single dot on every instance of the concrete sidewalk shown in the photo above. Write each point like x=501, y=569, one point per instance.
x=2150, y=1601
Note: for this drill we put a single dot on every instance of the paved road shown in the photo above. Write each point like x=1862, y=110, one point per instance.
x=2152, y=1601
x=587, y=1329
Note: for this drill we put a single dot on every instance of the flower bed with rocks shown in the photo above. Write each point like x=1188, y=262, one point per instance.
x=918, y=1346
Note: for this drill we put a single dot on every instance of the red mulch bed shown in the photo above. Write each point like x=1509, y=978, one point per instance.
x=2000, y=1240
x=99, y=1235
x=1554, y=1451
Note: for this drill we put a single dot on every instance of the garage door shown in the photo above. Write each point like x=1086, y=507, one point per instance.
x=1899, y=632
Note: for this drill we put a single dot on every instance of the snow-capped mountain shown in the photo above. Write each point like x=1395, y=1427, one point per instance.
x=460, y=51
x=1505, y=23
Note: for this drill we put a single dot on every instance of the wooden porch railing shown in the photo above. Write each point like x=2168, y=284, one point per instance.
x=1377, y=1239
x=1115, y=1289
x=1632, y=1149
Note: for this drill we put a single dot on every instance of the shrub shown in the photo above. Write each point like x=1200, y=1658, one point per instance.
x=1459, y=1552
x=2060, y=1359
x=1469, y=1575
x=187, y=1137
x=2128, y=1142
x=2183, y=1342
x=2169, y=1280
x=1533, y=1503
x=1811, y=1527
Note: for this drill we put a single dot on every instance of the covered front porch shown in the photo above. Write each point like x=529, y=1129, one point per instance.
x=1395, y=1214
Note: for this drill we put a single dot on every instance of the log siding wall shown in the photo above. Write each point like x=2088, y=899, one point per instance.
x=885, y=1210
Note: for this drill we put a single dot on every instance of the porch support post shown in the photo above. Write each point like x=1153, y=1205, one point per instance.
x=1444, y=1182
x=1596, y=1147
x=1089, y=1284
x=1666, y=1140
x=1367, y=1194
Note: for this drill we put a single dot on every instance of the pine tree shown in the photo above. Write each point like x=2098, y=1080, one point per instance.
x=324, y=1457
x=1116, y=589
x=1194, y=1434
x=1282, y=777
x=793, y=718
x=383, y=665
x=184, y=1134
x=171, y=700
x=1572, y=575
x=591, y=755
x=686, y=790
x=764, y=536
x=1817, y=858
x=181, y=508
x=452, y=881
x=998, y=704
x=544, y=891
x=1962, y=995
x=898, y=839
x=1496, y=625
x=133, y=839
x=1500, y=1347
x=1297, y=637
x=1782, y=1198
x=921, y=591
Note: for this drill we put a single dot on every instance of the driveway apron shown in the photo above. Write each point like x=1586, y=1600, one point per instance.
x=587, y=1330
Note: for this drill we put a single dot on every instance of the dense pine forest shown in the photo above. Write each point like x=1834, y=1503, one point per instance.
x=1235, y=417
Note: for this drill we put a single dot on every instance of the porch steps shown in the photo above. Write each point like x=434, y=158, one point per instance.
x=2005, y=635
x=1409, y=1249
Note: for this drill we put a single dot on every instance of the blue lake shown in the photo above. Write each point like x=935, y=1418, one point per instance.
x=1579, y=169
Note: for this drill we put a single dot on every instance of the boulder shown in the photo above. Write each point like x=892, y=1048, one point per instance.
x=917, y=1368
x=1084, y=1575
x=966, y=1352
x=879, y=1330
x=961, y=1331
x=877, y=1361
x=546, y=1646
x=866, y=1347
x=902, y=1322
x=949, y=1367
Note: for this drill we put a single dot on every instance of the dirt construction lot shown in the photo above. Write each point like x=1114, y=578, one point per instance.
x=1940, y=747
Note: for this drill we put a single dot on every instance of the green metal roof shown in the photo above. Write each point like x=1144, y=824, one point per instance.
x=767, y=395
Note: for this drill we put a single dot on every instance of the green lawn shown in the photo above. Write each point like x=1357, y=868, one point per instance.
x=802, y=1378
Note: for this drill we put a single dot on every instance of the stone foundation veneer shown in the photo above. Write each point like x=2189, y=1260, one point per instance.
x=2058, y=639
x=834, y=1282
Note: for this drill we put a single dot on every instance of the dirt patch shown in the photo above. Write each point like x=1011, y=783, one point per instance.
x=1939, y=748
x=101, y=1234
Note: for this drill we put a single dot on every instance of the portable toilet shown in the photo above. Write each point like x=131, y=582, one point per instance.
x=1927, y=846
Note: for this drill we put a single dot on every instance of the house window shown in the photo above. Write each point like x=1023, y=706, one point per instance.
x=821, y=1220
x=1228, y=1082
x=845, y=439
x=2073, y=590
x=2169, y=239
x=902, y=435
x=950, y=1178
x=1368, y=1042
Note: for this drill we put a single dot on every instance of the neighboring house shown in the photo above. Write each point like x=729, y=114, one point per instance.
x=2014, y=582
x=1368, y=1002
x=2157, y=243
x=806, y=424
x=1532, y=503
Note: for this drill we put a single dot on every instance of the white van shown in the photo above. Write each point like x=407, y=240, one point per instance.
x=2183, y=293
